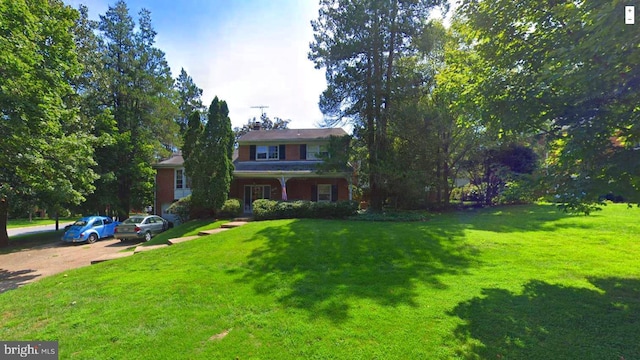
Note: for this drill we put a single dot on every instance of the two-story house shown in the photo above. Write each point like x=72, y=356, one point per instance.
x=282, y=165
x=269, y=164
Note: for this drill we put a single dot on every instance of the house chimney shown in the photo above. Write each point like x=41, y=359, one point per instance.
x=256, y=125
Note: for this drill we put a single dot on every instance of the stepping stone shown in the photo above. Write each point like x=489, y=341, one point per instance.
x=212, y=231
x=233, y=224
x=111, y=257
x=182, y=239
x=147, y=248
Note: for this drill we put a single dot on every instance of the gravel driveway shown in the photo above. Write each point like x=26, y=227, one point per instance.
x=28, y=265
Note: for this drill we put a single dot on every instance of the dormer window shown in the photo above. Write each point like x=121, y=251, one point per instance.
x=267, y=152
x=317, y=152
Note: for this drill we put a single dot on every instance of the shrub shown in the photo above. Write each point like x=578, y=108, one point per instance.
x=392, y=216
x=264, y=209
x=270, y=209
x=230, y=209
x=516, y=192
x=181, y=208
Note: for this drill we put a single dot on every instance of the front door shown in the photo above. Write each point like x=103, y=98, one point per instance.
x=255, y=192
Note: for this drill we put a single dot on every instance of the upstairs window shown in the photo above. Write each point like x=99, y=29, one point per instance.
x=317, y=152
x=182, y=180
x=267, y=152
x=179, y=178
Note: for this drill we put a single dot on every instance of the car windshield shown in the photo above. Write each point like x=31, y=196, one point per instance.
x=80, y=223
x=134, y=220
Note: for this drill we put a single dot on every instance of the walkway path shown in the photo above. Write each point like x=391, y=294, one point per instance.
x=141, y=248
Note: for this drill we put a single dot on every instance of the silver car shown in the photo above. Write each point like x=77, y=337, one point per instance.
x=141, y=227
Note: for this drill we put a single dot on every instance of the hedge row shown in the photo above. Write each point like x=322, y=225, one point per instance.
x=184, y=210
x=270, y=209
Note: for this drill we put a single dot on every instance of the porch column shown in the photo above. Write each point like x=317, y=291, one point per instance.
x=350, y=186
x=283, y=184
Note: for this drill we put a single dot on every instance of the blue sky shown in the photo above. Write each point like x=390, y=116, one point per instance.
x=247, y=52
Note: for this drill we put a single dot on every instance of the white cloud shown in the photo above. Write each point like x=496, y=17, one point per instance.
x=260, y=59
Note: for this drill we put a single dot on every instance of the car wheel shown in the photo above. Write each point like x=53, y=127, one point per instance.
x=92, y=238
x=147, y=236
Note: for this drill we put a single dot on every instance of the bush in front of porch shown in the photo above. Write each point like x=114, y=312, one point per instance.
x=264, y=209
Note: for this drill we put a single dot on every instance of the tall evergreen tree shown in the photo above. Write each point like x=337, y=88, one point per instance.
x=189, y=99
x=140, y=89
x=45, y=148
x=192, y=138
x=91, y=98
x=211, y=178
x=358, y=42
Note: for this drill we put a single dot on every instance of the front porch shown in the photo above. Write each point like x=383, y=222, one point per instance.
x=288, y=188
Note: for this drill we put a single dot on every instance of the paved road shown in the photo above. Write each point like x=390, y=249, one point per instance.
x=35, y=229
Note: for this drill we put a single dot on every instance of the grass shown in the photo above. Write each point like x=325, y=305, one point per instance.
x=20, y=223
x=189, y=228
x=523, y=282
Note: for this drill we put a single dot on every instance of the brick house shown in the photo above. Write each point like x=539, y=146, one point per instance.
x=171, y=184
x=269, y=164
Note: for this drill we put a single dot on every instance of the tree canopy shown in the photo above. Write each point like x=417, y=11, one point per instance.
x=359, y=44
x=46, y=150
x=569, y=72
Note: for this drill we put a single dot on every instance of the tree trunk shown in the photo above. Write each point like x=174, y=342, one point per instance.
x=4, y=212
x=376, y=194
x=57, y=221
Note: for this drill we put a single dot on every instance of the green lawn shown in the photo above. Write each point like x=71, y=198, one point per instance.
x=525, y=282
x=189, y=228
x=19, y=223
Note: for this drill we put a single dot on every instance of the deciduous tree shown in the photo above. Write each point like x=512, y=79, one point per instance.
x=42, y=153
x=569, y=70
x=265, y=123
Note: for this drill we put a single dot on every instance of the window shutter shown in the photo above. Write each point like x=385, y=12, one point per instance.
x=303, y=151
x=252, y=152
x=334, y=193
x=314, y=192
x=282, y=152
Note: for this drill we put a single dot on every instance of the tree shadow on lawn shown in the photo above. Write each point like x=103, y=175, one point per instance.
x=43, y=240
x=551, y=321
x=320, y=265
x=518, y=218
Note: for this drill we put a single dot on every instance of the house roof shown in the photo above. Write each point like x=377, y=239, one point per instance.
x=290, y=135
x=177, y=161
